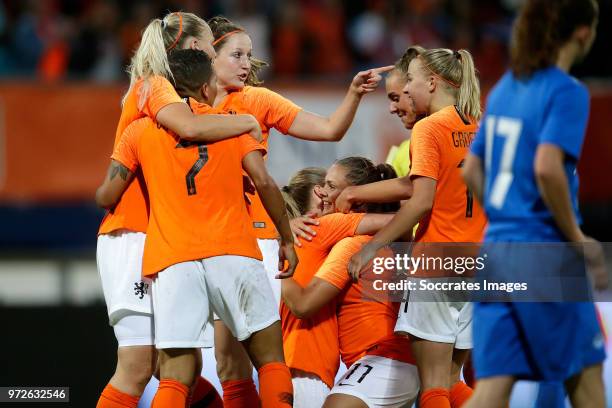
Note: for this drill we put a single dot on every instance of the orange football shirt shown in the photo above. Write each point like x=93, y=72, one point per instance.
x=365, y=326
x=311, y=345
x=271, y=111
x=439, y=144
x=132, y=211
x=196, y=193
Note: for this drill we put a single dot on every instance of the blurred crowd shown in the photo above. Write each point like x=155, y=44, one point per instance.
x=301, y=39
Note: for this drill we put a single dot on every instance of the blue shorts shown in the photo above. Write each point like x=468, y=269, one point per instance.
x=536, y=341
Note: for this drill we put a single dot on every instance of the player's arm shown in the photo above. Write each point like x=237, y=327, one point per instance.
x=117, y=180
x=554, y=188
x=406, y=218
x=385, y=191
x=305, y=302
x=310, y=126
x=274, y=204
x=178, y=118
x=473, y=175
x=370, y=224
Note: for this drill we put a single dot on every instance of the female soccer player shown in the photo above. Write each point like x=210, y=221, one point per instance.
x=443, y=85
x=311, y=344
x=381, y=370
x=121, y=235
x=195, y=273
x=240, y=92
x=394, y=189
x=400, y=105
x=523, y=166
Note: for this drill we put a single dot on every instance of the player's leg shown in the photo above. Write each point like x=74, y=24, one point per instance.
x=266, y=350
x=177, y=374
x=127, y=295
x=491, y=392
x=586, y=389
x=432, y=323
x=344, y=401
x=434, y=360
x=181, y=312
x=376, y=381
x=202, y=392
x=234, y=369
x=460, y=392
x=241, y=296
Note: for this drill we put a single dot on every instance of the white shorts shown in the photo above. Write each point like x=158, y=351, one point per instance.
x=430, y=316
x=380, y=382
x=135, y=330
x=119, y=259
x=269, y=251
x=186, y=295
x=308, y=392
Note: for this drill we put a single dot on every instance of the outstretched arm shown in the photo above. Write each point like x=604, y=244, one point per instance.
x=310, y=126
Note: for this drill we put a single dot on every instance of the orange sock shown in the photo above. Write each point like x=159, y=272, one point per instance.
x=113, y=398
x=275, y=388
x=205, y=395
x=240, y=394
x=435, y=398
x=459, y=394
x=170, y=394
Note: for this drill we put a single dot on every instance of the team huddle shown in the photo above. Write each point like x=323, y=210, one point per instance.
x=219, y=256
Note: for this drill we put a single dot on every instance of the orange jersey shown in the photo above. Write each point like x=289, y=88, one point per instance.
x=196, y=193
x=132, y=211
x=439, y=144
x=365, y=326
x=271, y=111
x=311, y=345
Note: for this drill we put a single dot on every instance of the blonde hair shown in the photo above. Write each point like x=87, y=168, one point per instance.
x=457, y=72
x=402, y=64
x=297, y=193
x=160, y=37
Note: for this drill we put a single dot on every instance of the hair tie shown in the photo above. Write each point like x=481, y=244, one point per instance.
x=285, y=189
x=180, y=32
x=164, y=24
x=218, y=40
x=457, y=55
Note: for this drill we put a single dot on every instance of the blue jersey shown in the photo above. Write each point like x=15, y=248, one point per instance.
x=548, y=107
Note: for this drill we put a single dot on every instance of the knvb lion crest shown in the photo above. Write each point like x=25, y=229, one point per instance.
x=141, y=289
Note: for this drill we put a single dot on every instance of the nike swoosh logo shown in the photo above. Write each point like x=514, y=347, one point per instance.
x=350, y=385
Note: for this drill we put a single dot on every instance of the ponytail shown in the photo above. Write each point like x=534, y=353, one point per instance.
x=385, y=172
x=160, y=37
x=360, y=171
x=468, y=100
x=457, y=73
x=150, y=59
x=298, y=192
